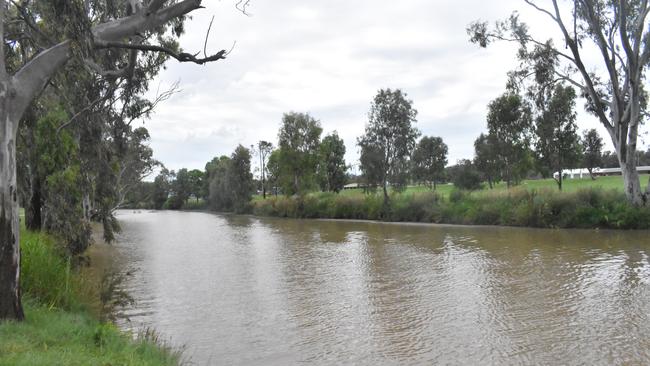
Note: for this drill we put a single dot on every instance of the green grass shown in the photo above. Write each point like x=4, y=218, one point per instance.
x=55, y=337
x=569, y=185
x=59, y=330
x=46, y=273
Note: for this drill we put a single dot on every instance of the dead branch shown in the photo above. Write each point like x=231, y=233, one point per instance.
x=181, y=57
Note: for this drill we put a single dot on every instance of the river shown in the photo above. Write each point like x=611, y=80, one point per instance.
x=238, y=290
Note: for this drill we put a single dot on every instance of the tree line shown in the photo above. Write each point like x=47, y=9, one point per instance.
x=528, y=136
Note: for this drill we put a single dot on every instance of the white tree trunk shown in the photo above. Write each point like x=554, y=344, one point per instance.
x=10, y=305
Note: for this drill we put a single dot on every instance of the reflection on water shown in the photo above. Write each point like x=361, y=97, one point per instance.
x=240, y=290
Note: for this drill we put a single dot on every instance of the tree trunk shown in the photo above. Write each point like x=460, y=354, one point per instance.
x=33, y=213
x=591, y=173
x=632, y=184
x=10, y=305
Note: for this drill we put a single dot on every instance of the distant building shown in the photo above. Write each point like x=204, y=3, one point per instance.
x=580, y=173
x=354, y=186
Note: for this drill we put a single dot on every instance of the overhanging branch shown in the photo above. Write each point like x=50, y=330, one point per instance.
x=181, y=57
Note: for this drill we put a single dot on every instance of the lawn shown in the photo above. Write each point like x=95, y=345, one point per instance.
x=569, y=185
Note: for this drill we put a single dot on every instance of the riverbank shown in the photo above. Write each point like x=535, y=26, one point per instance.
x=62, y=309
x=590, y=208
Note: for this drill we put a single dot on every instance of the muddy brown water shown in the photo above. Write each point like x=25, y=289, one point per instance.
x=237, y=290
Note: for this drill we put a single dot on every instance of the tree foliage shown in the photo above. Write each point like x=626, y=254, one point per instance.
x=389, y=139
x=429, y=160
x=592, y=150
x=486, y=159
x=299, y=140
x=557, y=144
x=509, y=121
x=331, y=163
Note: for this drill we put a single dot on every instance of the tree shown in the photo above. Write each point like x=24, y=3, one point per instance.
x=466, y=176
x=486, y=159
x=182, y=187
x=241, y=179
x=613, y=86
x=161, y=189
x=273, y=168
x=429, y=160
x=388, y=141
x=299, y=139
x=557, y=142
x=331, y=164
x=231, y=181
x=220, y=197
x=264, y=149
x=136, y=163
x=196, y=183
x=82, y=29
x=509, y=121
x=593, y=150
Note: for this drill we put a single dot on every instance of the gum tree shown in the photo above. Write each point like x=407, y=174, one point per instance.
x=389, y=139
x=612, y=83
x=87, y=31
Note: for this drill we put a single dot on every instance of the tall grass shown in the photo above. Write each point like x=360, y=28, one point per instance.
x=46, y=274
x=59, y=330
x=546, y=208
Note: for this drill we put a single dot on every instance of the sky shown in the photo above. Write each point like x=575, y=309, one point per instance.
x=329, y=58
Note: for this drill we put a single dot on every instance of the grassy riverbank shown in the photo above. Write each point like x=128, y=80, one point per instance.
x=60, y=328
x=593, y=207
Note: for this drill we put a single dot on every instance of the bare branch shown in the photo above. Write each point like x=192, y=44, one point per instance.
x=181, y=57
x=160, y=97
x=207, y=35
x=242, y=5
x=538, y=8
x=84, y=110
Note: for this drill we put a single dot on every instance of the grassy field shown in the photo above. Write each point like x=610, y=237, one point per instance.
x=569, y=185
x=59, y=329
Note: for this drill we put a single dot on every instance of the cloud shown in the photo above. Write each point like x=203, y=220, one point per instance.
x=329, y=58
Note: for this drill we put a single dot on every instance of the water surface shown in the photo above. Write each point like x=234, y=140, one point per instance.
x=260, y=291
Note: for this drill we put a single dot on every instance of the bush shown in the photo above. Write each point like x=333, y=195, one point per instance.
x=467, y=177
x=589, y=208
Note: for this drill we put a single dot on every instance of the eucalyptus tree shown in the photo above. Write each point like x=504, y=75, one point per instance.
x=241, y=179
x=592, y=150
x=58, y=32
x=429, y=160
x=136, y=164
x=509, y=121
x=298, y=140
x=264, y=150
x=331, y=163
x=389, y=138
x=557, y=144
x=613, y=83
x=273, y=169
x=486, y=159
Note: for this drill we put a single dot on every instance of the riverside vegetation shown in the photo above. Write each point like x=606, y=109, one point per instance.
x=63, y=309
x=544, y=208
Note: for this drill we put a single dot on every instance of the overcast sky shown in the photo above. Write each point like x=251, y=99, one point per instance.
x=329, y=58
